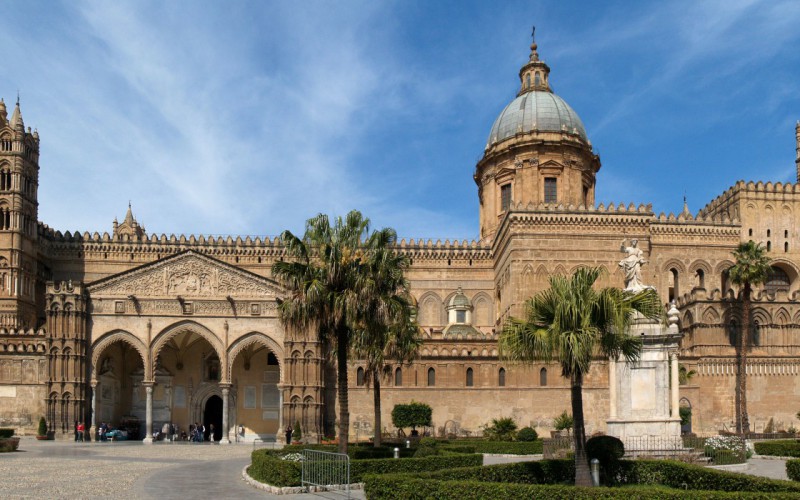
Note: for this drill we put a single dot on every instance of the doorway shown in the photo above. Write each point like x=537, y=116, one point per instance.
x=212, y=414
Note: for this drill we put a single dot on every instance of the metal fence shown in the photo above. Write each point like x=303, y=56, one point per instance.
x=714, y=450
x=325, y=470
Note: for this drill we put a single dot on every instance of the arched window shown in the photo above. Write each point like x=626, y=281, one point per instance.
x=398, y=377
x=537, y=79
x=360, y=377
x=733, y=332
x=543, y=377
x=777, y=279
x=528, y=81
x=674, y=289
x=726, y=284
x=469, y=377
x=501, y=377
x=786, y=247
x=431, y=377
x=755, y=334
x=769, y=246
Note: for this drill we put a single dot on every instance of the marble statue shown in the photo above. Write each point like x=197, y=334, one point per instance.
x=632, y=266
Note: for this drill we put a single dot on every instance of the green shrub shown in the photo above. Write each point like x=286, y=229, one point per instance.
x=793, y=469
x=412, y=415
x=782, y=448
x=427, y=447
x=268, y=467
x=42, y=430
x=6, y=433
x=400, y=487
x=527, y=434
x=630, y=473
x=9, y=444
x=501, y=429
x=563, y=422
x=297, y=431
x=361, y=468
x=497, y=447
x=608, y=450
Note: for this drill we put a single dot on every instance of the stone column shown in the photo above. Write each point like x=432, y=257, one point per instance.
x=281, y=426
x=225, y=426
x=675, y=385
x=93, y=426
x=148, y=426
x=612, y=388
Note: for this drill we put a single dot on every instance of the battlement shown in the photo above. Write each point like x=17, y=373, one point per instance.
x=757, y=297
x=722, y=201
x=59, y=242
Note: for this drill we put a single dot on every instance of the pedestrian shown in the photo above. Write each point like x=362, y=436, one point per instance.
x=201, y=434
x=80, y=431
x=211, y=433
x=76, y=431
x=165, y=431
x=289, y=434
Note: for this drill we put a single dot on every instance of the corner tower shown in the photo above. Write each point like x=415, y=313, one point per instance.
x=19, y=183
x=537, y=152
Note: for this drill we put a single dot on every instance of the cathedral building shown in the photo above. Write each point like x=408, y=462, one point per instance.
x=136, y=329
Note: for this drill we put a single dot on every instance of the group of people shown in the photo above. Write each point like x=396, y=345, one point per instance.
x=197, y=432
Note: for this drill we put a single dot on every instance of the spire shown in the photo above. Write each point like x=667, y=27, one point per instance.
x=16, y=118
x=686, y=211
x=3, y=112
x=535, y=74
x=129, y=216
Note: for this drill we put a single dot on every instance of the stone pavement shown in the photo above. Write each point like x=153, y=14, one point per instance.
x=131, y=470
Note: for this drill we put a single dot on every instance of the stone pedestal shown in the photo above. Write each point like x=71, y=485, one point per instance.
x=644, y=395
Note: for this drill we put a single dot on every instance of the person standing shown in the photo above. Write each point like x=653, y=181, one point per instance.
x=211, y=433
x=288, y=434
x=80, y=431
x=76, y=431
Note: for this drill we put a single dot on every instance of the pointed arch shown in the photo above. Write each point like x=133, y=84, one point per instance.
x=560, y=270
x=710, y=316
x=782, y=316
x=482, y=309
x=431, y=310
x=105, y=340
x=249, y=340
x=187, y=326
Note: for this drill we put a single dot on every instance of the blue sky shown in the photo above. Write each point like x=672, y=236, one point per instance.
x=250, y=117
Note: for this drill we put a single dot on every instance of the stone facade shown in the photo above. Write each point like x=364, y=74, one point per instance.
x=136, y=329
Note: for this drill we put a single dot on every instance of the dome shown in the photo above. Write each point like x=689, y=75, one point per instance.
x=536, y=110
x=459, y=300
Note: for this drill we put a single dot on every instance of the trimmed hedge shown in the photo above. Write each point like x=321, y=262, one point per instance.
x=354, y=451
x=498, y=447
x=9, y=444
x=403, y=487
x=782, y=448
x=268, y=467
x=630, y=472
x=793, y=469
x=6, y=433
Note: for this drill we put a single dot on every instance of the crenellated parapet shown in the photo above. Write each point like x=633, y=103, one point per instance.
x=56, y=243
x=23, y=341
x=726, y=203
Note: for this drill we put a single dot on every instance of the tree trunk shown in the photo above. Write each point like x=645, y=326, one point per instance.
x=742, y=420
x=376, y=395
x=583, y=476
x=341, y=380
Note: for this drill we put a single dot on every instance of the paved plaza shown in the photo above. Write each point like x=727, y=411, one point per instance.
x=131, y=470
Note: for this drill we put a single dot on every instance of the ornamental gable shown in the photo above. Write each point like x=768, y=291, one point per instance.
x=189, y=274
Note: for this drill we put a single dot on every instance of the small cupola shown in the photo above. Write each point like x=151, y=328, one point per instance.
x=459, y=310
x=534, y=76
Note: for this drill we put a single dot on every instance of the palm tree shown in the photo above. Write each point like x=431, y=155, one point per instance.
x=685, y=374
x=570, y=323
x=387, y=330
x=751, y=268
x=322, y=279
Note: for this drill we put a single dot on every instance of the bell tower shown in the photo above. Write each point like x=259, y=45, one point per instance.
x=19, y=183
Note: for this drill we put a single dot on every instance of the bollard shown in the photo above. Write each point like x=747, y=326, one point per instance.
x=595, y=472
x=397, y=453
x=408, y=443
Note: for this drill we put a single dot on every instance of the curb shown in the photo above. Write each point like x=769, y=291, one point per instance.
x=292, y=490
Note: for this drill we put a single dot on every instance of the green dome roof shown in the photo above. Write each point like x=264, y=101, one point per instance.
x=536, y=111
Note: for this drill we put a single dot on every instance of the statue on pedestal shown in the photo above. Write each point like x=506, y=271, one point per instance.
x=632, y=266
